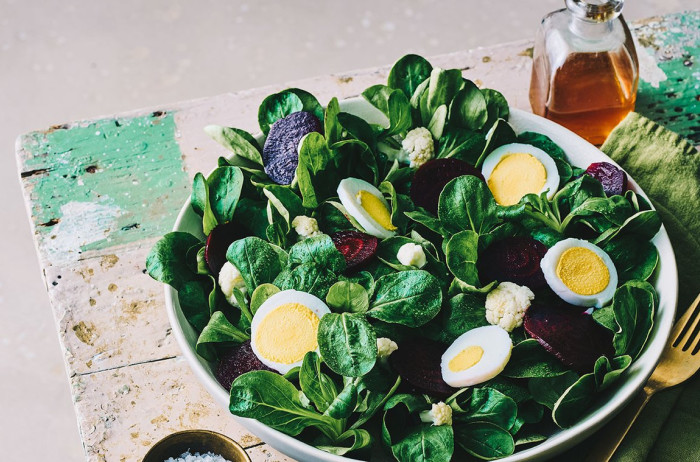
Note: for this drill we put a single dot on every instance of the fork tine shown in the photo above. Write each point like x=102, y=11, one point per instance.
x=684, y=330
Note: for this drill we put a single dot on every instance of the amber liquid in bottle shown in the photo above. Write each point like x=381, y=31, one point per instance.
x=589, y=94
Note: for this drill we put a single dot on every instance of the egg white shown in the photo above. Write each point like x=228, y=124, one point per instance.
x=348, y=189
x=497, y=347
x=312, y=302
x=549, y=268
x=551, y=183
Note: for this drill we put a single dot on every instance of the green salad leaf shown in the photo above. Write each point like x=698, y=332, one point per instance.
x=411, y=298
x=347, y=344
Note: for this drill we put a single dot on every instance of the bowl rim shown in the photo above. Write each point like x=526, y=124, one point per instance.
x=622, y=391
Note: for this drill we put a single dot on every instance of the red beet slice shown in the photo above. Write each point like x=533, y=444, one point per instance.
x=280, y=156
x=514, y=259
x=218, y=241
x=237, y=361
x=356, y=247
x=613, y=179
x=570, y=335
x=431, y=178
x=417, y=361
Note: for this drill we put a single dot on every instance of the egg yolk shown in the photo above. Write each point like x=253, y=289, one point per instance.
x=516, y=175
x=287, y=333
x=376, y=209
x=466, y=358
x=583, y=271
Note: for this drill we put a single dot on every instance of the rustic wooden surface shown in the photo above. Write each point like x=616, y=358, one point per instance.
x=99, y=194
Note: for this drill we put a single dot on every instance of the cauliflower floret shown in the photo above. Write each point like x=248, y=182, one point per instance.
x=230, y=278
x=439, y=414
x=419, y=145
x=305, y=227
x=506, y=305
x=411, y=254
x=385, y=347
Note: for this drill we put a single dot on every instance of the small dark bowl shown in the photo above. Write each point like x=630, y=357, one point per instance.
x=201, y=441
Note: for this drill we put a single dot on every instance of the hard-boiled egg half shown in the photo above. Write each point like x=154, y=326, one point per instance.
x=366, y=204
x=284, y=329
x=476, y=356
x=579, y=272
x=514, y=170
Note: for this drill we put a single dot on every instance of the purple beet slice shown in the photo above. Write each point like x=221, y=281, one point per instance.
x=356, y=247
x=237, y=361
x=431, y=177
x=570, y=335
x=280, y=156
x=514, y=259
x=417, y=361
x=218, y=241
x=613, y=179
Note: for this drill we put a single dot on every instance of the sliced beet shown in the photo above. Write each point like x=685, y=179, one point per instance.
x=218, y=241
x=237, y=361
x=514, y=259
x=613, y=179
x=430, y=179
x=417, y=361
x=280, y=156
x=356, y=247
x=569, y=334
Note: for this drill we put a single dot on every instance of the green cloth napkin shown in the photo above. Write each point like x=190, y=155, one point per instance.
x=667, y=167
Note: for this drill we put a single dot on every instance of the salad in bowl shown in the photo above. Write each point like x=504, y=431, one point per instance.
x=415, y=275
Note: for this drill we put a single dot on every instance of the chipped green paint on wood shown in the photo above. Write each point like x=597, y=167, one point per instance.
x=674, y=41
x=110, y=182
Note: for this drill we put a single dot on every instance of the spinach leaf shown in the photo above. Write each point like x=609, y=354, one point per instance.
x=260, y=294
x=499, y=134
x=252, y=215
x=167, y=260
x=347, y=297
x=400, y=204
x=347, y=344
x=196, y=299
x=280, y=105
x=318, y=250
x=437, y=122
x=316, y=385
x=285, y=201
x=607, y=371
x=426, y=443
x=575, y=401
x=238, y=141
x=528, y=359
x=332, y=217
x=428, y=220
x=411, y=298
x=225, y=184
x=466, y=203
x=201, y=203
x=634, y=257
x=633, y=306
x=461, y=144
x=488, y=405
x=484, y=440
x=258, y=261
x=444, y=84
x=547, y=390
x=644, y=224
x=606, y=318
x=331, y=128
x=496, y=105
x=468, y=109
x=274, y=401
x=350, y=441
x=408, y=73
x=373, y=400
x=358, y=128
x=307, y=277
x=344, y=404
x=543, y=142
x=463, y=312
x=574, y=194
x=461, y=253
x=218, y=331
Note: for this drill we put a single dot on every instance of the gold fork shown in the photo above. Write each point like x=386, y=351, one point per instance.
x=679, y=361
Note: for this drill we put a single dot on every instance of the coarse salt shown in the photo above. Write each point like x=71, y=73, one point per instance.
x=197, y=457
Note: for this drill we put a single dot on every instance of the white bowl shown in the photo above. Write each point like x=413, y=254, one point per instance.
x=580, y=153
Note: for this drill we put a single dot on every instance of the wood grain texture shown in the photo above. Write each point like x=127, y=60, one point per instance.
x=99, y=193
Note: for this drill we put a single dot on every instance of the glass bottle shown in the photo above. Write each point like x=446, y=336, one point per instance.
x=585, y=69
